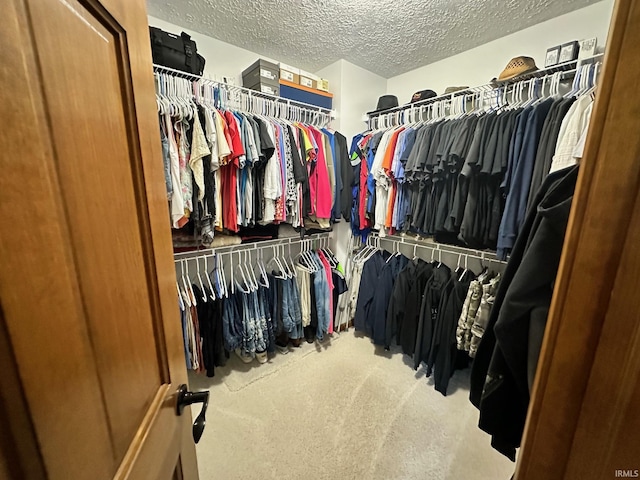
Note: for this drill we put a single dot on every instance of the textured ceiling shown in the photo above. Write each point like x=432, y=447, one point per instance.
x=388, y=37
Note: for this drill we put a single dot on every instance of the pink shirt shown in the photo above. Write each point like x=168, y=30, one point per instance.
x=322, y=185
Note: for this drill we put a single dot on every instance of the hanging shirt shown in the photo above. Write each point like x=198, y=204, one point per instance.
x=211, y=134
x=224, y=150
x=272, y=188
x=321, y=179
x=328, y=152
x=199, y=149
x=573, y=125
x=177, y=203
x=382, y=182
x=516, y=203
x=181, y=128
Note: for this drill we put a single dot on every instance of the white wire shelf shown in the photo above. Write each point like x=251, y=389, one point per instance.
x=247, y=91
x=242, y=247
x=568, y=69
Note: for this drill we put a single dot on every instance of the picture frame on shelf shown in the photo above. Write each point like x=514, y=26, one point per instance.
x=553, y=56
x=569, y=52
x=588, y=47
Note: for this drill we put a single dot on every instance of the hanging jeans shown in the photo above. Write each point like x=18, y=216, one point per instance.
x=259, y=323
x=265, y=312
x=248, y=346
x=291, y=316
x=231, y=324
x=321, y=288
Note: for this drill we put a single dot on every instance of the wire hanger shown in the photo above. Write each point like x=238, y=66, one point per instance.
x=232, y=279
x=281, y=272
x=222, y=273
x=206, y=274
x=292, y=267
x=245, y=287
x=191, y=298
x=250, y=271
x=180, y=299
x=466, y=269
x=263, y=271
x=204, y=294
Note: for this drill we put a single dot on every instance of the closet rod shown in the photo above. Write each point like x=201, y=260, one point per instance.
x=568, y=69
x=248, y=246
x=452, y=249
x=247, y=91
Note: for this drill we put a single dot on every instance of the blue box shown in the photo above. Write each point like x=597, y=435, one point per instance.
x=306, y=95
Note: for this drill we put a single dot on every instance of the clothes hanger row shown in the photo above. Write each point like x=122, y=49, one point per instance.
x=373, y=241
x=520, y=94
x=245, y=275
x=178, y=95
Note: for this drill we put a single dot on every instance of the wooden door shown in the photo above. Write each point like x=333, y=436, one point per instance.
x=583, y=418
x=90, y=337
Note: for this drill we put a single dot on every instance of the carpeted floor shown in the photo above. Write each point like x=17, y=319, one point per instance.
x=341, y=410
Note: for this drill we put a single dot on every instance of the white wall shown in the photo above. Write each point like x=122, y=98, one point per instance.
x=355, y=91
x=479, y=65
x=222, y=59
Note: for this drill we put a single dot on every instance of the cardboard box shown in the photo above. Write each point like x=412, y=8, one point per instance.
x=323, y=84
x=289, y=73
x=307, y=79
x=261, y=71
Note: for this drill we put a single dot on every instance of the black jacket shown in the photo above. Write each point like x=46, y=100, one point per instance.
x=444, y=351
x=507, y=356
x=433, y=292
x=210, y=327
x=380, y=304
x=404, y=305
x=370, y=273
x=346, y=172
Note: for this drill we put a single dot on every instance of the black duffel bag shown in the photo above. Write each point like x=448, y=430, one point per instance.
x=177, y=52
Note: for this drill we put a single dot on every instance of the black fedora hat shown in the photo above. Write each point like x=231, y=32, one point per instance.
x=385, y=102
x=423, y=95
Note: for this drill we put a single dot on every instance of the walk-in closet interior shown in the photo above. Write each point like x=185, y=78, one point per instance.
x=322, y=240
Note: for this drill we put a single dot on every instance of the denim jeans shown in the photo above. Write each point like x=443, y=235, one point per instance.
x=259, y=323
x=321, y=288
x=248, y=346
x=294, y=309
x=265, y=311
x=231, y=324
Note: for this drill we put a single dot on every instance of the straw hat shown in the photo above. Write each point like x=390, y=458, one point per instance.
x=516, y=67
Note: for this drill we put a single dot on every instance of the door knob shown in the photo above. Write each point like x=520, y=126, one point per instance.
x=185, y=397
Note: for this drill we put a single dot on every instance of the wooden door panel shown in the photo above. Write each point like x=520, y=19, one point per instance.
x=616, y=369
x=583, y=408
x=96, y=165
x=42, y=313
x=154, y=452
x=87, y=284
